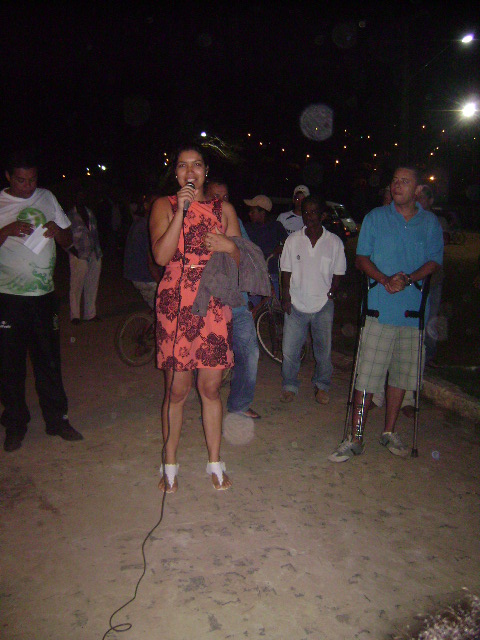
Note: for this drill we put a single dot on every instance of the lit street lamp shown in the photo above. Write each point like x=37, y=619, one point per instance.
x=407, y=80
x=467, y=39
x=469, y=110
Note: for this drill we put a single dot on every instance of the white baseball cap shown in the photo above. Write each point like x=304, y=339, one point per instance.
x=304, y=189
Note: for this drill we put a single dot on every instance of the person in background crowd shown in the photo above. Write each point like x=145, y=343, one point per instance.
x=292, y=220
x=138, y=264
x=268, y=234
x=103, y=213
x=425, y=200
x=386, y=196
x=86, y=265
x=245, y=343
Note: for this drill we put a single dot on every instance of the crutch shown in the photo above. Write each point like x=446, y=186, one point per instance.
x=363, y=313
x=420, y=314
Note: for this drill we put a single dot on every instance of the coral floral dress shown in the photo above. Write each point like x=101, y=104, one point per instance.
x=200, y=342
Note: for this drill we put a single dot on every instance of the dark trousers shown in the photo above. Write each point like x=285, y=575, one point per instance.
x=30, y=325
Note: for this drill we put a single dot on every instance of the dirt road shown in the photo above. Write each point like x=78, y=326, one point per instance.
x=298, y=549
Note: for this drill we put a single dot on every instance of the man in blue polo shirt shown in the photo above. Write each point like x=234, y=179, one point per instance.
x=398, y=245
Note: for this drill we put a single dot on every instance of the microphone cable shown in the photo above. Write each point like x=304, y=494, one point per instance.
x=126, y=626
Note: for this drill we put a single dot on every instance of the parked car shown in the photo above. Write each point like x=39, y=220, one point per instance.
x=333, y=223
x=339, y=212
x=338, y=220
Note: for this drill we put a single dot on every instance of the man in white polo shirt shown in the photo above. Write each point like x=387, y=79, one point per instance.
x=312, y=264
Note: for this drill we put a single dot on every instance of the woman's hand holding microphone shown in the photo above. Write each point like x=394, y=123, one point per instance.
x=185, y=197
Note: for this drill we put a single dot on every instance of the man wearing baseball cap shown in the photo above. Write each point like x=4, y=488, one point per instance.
x=292, y=220
x=260, y=202
x=266, y=233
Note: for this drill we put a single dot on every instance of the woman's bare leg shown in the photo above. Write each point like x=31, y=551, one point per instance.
x=209, y=382
x=177, y=394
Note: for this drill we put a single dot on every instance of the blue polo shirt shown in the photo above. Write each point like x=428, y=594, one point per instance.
x=394, y=245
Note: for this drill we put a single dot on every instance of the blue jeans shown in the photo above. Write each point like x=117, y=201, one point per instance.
x=295, y=330
x=245, y=350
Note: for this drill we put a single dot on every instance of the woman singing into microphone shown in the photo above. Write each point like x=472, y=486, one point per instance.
x=186, y=342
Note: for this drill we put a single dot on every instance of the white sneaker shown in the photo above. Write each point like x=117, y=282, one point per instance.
x=394, y=443
x=346, y=450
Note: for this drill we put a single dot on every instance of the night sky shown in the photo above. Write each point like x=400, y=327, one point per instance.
x=120, y=84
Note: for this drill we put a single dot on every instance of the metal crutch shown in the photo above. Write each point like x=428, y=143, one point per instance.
x=420, y=314
x=363, y=313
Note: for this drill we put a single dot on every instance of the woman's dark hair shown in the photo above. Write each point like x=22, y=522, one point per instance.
x=191, y=147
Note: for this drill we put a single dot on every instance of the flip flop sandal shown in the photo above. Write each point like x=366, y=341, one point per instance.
x=218, y=469
x=169, y=476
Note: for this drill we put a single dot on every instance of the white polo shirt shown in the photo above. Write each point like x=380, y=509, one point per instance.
x=312, y=268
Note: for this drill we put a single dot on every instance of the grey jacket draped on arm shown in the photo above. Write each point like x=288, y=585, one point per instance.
x=222, y=278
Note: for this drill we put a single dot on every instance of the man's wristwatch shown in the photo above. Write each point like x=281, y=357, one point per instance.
x=409, y=281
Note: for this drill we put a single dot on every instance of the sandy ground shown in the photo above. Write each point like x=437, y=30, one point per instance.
x=299, y=549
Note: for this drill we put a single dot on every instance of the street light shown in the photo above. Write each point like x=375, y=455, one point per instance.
x=406, y=83
x=469, y=110
x=467, y=39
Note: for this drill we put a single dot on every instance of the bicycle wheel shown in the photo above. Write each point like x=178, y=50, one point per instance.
x=269, y=325
x=135, y=339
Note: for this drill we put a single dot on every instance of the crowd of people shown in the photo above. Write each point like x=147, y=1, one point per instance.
x=201, y=271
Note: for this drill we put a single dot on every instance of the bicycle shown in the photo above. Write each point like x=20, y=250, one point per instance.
x=135, y=341
x=135, y=336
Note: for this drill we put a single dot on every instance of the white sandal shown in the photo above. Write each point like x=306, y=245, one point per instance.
x=171, y=472
x=218, y=468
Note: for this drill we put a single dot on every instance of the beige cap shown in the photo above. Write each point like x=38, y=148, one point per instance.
x=260, y=201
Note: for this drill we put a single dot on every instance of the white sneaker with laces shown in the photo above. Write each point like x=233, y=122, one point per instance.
x=394, y=443
x=346, y=450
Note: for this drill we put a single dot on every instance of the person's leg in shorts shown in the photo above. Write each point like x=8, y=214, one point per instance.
x=374, y=357
x=402, y=373
x=373, y=364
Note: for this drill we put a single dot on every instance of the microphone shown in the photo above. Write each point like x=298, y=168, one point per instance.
x=186, y=204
